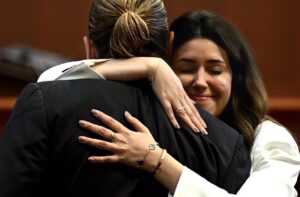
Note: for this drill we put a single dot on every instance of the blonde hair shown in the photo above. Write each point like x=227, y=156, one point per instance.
x=127, y=28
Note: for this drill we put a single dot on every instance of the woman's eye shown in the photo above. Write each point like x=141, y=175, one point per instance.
x=216, y=67
x=215, y=71
x=188, y=70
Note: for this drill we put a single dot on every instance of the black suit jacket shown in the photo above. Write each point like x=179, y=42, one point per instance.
x=40, y=154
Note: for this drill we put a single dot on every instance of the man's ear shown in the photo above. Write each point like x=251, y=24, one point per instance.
x=90, y=50
x=170, y=47
x=171, y=39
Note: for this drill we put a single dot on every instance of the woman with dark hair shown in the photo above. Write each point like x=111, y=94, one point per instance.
x=218, y=72
x=246, y=105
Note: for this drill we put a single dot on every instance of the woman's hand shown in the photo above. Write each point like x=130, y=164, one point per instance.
x=128, y=147
x=166, y=85
x=168, y=88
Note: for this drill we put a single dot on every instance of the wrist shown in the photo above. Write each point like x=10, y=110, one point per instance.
x=160, y=161
x=152, y=159
x=100, y=68
x=153, y=64
x=169, y=173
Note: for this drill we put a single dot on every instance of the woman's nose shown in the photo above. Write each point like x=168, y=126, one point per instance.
x=200, y=80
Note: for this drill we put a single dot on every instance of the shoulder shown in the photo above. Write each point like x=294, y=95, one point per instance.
x=271, y=132
x=29, y=102
x=54, y=92
x=274, y=142
x=30, y=90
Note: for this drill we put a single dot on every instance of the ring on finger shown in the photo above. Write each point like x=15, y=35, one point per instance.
x=113, y=135
x=181, y=110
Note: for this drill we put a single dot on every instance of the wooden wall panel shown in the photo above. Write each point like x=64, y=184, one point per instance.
x=54, y=25
x=272, y=28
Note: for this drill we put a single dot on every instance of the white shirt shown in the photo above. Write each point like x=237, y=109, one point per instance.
x=274, y=171
x=274, y=154
x=72, y=70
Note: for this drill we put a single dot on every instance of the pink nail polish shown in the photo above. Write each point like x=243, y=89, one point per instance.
x=94, y=111
x=81, y=123
x=81, y=138
x=196, y=130
x=176, y=125
x=204, y=131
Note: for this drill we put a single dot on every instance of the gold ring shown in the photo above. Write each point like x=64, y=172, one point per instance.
x=113, y=135
x=181, y=110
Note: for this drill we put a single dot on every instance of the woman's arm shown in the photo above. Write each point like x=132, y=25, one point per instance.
x=132, y=148
x=275, y=156
x=165, y=83
x=128, y=69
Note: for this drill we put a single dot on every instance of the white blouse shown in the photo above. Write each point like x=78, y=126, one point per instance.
x=274, y=155
x=274, y=171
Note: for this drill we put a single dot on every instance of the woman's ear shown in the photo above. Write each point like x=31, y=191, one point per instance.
x=90, y=50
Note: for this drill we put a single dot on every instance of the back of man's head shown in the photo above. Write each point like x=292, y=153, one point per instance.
x=128, y=28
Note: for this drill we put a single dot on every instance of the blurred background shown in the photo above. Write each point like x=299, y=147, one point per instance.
x=37, y=34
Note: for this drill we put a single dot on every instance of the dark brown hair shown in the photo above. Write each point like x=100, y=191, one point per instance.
x=247, y=105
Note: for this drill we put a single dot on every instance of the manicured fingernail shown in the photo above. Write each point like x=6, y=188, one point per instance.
x=81, y=122
x=127, y=113
x=81, y=138
x=204, y=131
x=94, y=111
x=176, y=125
x=91, y=159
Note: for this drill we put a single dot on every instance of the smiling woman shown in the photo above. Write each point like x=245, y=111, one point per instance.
x=205, y=73
x=217, y=70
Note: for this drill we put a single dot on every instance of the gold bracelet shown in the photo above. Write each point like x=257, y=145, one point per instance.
x=161, y=159
x=150, y=148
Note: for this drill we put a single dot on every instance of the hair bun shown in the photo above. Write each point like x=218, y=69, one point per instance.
x=127, y=28
x=130, y=33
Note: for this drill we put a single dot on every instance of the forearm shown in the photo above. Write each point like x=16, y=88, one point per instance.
x=169, y=173
x=167, y=170
x=128, y=69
